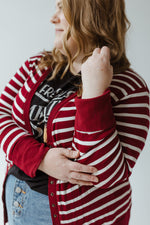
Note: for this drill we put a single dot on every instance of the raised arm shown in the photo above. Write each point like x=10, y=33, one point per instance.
x=110, y=130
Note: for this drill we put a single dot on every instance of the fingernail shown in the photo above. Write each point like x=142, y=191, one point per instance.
x=96, y=180
x=76, y=153
x=94, y=170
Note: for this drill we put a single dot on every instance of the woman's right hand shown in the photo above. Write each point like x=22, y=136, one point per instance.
x=58, y=164
x=96, y=73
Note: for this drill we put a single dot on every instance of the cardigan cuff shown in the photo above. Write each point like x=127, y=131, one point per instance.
x=94, y=114
x=28, y=154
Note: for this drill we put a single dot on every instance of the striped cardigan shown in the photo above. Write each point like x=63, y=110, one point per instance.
x=109, y=131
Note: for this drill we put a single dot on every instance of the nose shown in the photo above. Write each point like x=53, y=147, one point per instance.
x=54, y=19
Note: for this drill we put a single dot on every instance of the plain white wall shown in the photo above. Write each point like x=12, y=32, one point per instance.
x=25, y=30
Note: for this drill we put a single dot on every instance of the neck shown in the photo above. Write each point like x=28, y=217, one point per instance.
x=78, y=63
x=77, y=67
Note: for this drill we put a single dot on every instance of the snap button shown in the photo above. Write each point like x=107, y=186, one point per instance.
x=51, y=182
x=18, y=190
x=55, y=215
x=52, y=194
x=53, y=205
x=16, y=204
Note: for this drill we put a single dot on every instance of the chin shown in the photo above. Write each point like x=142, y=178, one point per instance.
x=58, y=44
x=59, y=47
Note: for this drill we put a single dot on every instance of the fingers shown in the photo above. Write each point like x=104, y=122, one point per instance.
x=96, y=51
x=78, y=167
x=70, y=153
x=83, y=177
x=75, y=166
x=82, y=174
x=81, y=183
x=78, y=173
x=103, y=52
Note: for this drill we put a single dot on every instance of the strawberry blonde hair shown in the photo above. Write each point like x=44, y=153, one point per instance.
x=93, y=23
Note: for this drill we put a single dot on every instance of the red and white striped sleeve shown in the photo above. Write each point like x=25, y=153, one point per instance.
x=111, y=130
x=15, y=139
x=10, y=132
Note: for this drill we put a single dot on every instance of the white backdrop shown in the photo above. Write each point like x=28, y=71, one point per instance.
x=25, y=30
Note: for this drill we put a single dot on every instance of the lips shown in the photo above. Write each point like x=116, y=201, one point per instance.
x=59, y=30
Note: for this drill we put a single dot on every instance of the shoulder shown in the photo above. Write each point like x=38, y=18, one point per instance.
x=131, y=78
x=30, y=70
x=126, y=83
x=34, y=60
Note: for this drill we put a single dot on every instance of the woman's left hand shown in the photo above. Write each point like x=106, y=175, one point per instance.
x=97, y=73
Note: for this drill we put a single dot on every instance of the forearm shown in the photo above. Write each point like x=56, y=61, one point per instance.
x=112, y=149
x=28, y=154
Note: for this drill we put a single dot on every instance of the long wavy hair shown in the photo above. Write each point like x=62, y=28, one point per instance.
x=93, y=23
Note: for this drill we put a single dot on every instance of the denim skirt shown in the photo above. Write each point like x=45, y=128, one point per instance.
x=25, y=206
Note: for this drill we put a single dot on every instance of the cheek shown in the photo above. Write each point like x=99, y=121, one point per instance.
x=64, y=22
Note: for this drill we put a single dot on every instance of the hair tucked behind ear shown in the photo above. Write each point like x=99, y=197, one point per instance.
x=93, y=23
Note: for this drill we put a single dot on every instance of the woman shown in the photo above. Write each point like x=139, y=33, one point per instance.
x=74, y=121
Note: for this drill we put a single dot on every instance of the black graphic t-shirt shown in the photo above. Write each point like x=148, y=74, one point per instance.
x=47, y=96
